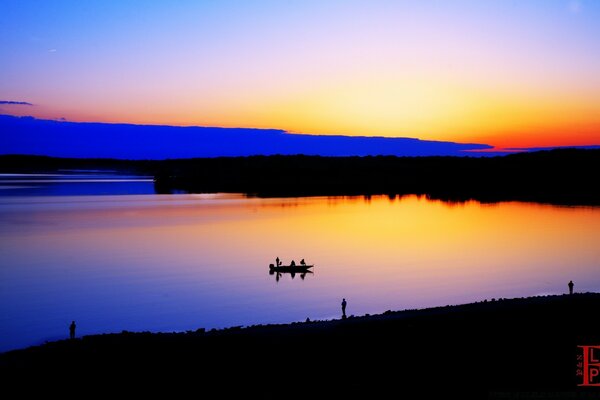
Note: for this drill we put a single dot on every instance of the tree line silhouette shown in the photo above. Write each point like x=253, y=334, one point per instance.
x=561, y=176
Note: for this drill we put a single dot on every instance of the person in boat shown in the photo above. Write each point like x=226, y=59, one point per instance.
x=293, y=263
x=277, y=262
x=303, y=263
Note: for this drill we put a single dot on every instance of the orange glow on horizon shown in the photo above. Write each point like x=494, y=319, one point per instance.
x=505, y=74
x=423, y=109
x=501, y=127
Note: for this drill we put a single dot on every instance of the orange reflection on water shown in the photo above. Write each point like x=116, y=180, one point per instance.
x=185, y=261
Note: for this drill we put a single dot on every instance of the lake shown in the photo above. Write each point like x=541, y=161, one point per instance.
x=102, y=250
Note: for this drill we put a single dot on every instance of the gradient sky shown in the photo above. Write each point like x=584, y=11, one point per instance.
x=506, y=73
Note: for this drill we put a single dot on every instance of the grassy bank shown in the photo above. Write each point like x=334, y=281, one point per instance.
x=482, y=350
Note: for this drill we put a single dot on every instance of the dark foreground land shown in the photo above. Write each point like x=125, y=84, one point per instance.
x=563, y=176
x=505, y=349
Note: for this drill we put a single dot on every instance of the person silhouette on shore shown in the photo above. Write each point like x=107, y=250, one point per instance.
x=344, y=308
x=72, y=330
x=571, y=284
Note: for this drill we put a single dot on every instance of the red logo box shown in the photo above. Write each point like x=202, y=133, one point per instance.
x=588, y=365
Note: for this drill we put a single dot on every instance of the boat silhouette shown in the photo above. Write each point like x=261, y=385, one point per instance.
x=278, y=268
x=290, y=268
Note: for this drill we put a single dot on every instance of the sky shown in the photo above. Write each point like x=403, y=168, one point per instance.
x=505, y=73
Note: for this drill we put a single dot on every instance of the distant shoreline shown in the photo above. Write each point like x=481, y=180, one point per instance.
x=486, y=349
x=561, y=177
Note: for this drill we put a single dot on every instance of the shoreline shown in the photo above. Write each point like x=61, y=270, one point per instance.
x=560, y=176
x=483, y=349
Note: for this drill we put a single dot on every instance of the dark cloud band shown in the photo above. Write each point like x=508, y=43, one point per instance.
x=15, y=103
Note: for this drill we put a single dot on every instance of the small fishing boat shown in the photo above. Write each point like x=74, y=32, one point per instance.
x=290, y=268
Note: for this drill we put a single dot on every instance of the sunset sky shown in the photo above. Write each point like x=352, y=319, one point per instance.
x=506, y=73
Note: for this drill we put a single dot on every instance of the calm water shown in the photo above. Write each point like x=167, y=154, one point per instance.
x=179, y=262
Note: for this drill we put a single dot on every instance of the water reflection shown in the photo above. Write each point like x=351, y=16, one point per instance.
x=75, y=183
x=292, y=274
x=179, y=262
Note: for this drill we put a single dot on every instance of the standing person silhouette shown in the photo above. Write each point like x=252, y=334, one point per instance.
x=72, y=330
x=571, y=284
x=344, y=308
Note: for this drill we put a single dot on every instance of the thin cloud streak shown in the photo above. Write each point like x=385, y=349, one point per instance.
x=15, y=103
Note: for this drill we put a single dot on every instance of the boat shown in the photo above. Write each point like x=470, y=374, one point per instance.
x=290, y=268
